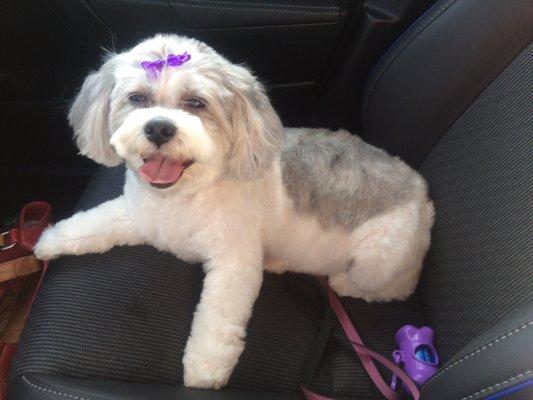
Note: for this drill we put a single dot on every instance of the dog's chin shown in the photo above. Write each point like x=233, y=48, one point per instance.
x=162, y=172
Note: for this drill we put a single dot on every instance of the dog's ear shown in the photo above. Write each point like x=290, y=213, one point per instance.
x=89, y=116
x=256, y=135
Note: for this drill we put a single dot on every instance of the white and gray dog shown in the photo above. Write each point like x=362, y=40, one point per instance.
x=213, y=177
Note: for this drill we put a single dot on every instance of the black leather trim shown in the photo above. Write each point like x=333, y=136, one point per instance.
x=45, y=387
x=498, y=358
x=204, y=14
x=437, y=68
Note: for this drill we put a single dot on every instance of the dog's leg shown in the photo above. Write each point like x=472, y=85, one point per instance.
x=216, y=341
x=94, y=231
x=387, y=255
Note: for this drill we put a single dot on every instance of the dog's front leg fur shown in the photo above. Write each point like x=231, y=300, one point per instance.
x=94, y=231
x=216, y=341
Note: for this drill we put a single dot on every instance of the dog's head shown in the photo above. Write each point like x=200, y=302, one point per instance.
x=176, y=111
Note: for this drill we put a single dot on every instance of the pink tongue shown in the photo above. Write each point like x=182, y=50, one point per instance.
x=159, y=169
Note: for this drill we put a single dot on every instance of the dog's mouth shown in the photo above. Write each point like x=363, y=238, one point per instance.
x=162, y=172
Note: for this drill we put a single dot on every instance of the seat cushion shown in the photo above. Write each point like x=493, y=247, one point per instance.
x=125, y=315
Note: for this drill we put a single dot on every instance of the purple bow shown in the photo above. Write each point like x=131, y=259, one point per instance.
x=154, y=68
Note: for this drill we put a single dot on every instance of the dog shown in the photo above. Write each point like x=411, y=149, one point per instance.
x=213, y=177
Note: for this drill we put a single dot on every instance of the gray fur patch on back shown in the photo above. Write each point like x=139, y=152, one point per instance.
x=342, y=180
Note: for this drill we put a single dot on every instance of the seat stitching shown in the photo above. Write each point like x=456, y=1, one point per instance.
x=255, y=9
x=267, y=5
x=56, y=392
x=406, y=42
x=481, y=349
x=498, y=384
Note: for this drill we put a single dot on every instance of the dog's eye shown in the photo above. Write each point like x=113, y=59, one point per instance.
x=137, y=99
x=194, y=103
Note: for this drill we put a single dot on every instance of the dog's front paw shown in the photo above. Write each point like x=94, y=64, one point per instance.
x=49, y=245
x=206, y=374
x=206, y=370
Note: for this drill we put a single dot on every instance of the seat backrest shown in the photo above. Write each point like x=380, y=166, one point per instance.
x=481, y=264
x=454, y=97
x=437, y=68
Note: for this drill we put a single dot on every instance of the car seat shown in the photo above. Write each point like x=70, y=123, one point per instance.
x=454, y=98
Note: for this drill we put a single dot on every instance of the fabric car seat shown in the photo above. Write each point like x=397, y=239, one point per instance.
x=454, y=98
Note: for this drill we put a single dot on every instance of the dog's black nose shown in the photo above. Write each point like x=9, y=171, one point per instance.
x=159, y=130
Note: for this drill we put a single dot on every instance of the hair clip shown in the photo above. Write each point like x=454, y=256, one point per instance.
x=154, y=68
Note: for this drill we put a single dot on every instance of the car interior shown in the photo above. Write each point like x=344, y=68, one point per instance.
x=446, y=85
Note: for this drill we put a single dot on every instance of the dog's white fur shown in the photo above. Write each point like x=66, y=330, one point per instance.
x=232, y=209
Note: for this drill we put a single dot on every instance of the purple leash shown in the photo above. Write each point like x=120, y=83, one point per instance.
x=366, y=356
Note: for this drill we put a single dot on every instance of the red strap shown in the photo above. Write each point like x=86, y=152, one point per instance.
x=33, y=220
x=365, y=355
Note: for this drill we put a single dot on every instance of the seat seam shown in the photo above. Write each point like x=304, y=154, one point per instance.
x=255, y=9
x=56, y=392
x=412, y=36
x=483, y=348
x=267, y=5
x=497, y=384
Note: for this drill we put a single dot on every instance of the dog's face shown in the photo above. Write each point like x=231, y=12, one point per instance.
x=180, y=125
